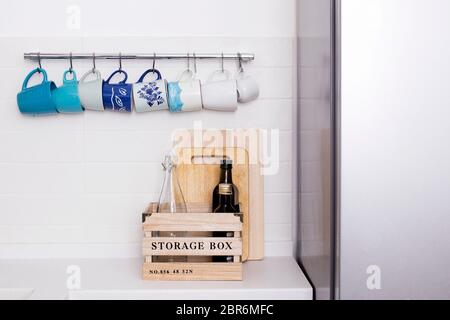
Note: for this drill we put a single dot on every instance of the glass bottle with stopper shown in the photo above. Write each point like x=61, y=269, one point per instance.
x=171, y=200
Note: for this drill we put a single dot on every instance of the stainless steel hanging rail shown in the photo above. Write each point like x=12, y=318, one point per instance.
x=145, y=56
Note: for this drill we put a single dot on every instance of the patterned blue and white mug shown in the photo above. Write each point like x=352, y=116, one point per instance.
x=150, y=96
x=117, y=96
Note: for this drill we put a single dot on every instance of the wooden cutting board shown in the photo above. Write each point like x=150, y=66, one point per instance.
x=239, y=138
x=256, y=212
x=198, y=171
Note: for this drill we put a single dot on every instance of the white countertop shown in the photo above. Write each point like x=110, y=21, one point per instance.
x=272, y=278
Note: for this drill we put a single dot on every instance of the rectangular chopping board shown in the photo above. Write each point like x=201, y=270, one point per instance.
x=198, y=172
x=239, y=138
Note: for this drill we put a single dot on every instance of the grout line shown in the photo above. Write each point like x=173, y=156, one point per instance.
x=102, y=226
x=108, y=64
x=81, y=193
x=96, y=162
x=79, y=132
x=123, y=194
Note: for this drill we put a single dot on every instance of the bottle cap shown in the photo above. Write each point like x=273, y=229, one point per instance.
x=225, y=189
x=226, y=164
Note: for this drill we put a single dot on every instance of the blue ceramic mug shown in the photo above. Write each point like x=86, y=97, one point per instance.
x=66, y=97
x=37, y=99
x=117, y=96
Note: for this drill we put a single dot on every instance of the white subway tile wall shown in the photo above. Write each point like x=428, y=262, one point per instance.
x=75, y=185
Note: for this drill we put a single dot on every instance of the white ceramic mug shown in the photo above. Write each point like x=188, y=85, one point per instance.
x=150, y=96
x=91, y=91
x=220, y=95
x=185, y=94
x=247, y=88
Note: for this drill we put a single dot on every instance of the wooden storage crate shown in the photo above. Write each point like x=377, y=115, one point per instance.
x=198, y=243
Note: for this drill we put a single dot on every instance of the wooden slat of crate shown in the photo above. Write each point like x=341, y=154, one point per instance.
x=192, y=271
x=192, y=207
x=192, y=222
x=235, y=244
x=202, y=207
x=199, y=207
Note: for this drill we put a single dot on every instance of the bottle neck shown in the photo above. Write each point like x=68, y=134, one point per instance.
x=168, y=172
x=168, y=178
x=171, y=199
x=226, y=176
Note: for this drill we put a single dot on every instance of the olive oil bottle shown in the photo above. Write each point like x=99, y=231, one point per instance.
x=225, y=205
x=226, y=176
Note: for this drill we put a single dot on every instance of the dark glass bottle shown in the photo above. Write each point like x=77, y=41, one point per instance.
x=225, y=205
x=226, y=176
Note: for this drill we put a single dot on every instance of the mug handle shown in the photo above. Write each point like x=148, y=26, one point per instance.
x=28, y=77
x=223, y=72
x=188, y=73
x=95, y=71
x=74, y=76
x=141, y=79
x=116, y=72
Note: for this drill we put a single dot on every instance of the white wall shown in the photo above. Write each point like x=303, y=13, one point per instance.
x=74, y=186
x=156, y=18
